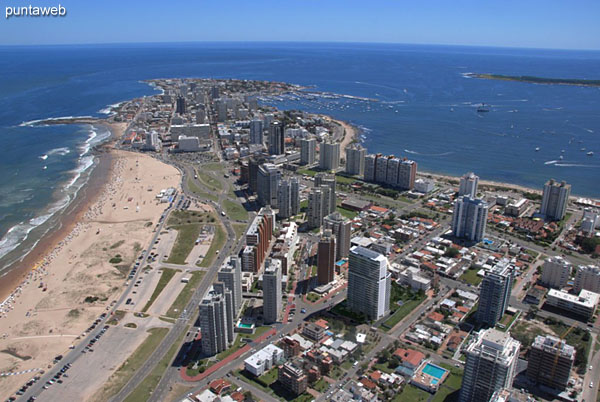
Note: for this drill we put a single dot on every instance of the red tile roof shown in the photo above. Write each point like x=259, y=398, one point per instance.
x=411, y=356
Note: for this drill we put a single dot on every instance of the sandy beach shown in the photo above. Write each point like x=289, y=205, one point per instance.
x=75, y=281
x=349, y=136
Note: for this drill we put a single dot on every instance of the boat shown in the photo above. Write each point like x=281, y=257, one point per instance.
x=537, y=149
x=590, y=153
x=44, y=157
x=582, y=149
x=560, y=157
x=482, y=109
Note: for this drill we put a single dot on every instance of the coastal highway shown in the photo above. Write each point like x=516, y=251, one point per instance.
x=76, y=353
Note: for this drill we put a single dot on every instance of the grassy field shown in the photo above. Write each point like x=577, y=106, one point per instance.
x=131, y=365
x=214, y=166
x=188, y=225
x=217, y=244
x=235, y=211
x=143, y=391
x=200, y=192
x=470, y=276
x=412, y=394
x=186, y=294
x=410, y=299
x=209, y=181
x=167, y=274
x=320, y=385
x=239, y=229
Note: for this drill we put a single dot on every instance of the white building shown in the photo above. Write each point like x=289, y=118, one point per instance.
x=588, y=278
x=556, y=272
x=329, y=156
x=468, y=185
x=411, y=276
x=369, y=283
x=555, y=199
x=188, y=144
x=470, y=218
x=308, y=151
x=263, y=360
x=583, y=305
x=355, y=159
x=491, y=365
x=423, y=186
x=272, y=291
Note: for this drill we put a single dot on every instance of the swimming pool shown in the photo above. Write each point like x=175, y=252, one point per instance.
x=241, y=325
x=434, y=371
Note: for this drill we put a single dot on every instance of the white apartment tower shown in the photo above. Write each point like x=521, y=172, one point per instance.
x=308, y=151
x=587, y=278
x=469, y=218
x=355, y=159
x=468, y=185
x=231, y=275
x=555, y=199
x=556, y=272
x=491, y=365
x=369, y=283
x=329, y=155
x=272, y=291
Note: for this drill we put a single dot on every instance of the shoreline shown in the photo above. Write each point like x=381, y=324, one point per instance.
x=18, y=272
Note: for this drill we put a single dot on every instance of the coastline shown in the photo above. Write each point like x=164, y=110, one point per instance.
x=18, y=272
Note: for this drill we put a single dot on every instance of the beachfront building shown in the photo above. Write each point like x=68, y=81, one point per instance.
x=370, y=167
x=588, y=278
x=468, y=185
x=342, y=230
x=326, y=258
x=355, y=159
x=329, y=155
x=308, y=151
x=555, y=199
x=494, y=294
x=556, y=272
x=369, y=283
x=407, y=173
x=491, y=365
x=550, y=362
x=267, y=181
x=231, y=275
x=272, y=291
x=216, y=321
x=276, y=138
x=327, y=180
x=469, y=218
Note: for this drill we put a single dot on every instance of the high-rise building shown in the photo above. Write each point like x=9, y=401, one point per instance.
x=292, y=378
x=369, y=283
x=214, y=92
x=393, y=166
x=308, y=151
x=180, y=106
x=494, y=293
x=214, y=322
x=256, y=131
x=590, y=221
x=550, y=361
x=231, y=275
x=468, y=185
x=381, y=168
x=230, y=313
x=587, y=278
x=268, y=184
x=221, y=106
x=469, y=218
x=556, y=272
x=318, y=206
x=253, y=164
x=327, y=180
x=370, y=167
x=355, y=159
x=407, y=173
x=326, y=258
x=272, y=291
x=289, y=198
x=329, y=155
x=276, y=138
x=342, y=230
x=491, y=365
x=258, y=239
x=555, y=200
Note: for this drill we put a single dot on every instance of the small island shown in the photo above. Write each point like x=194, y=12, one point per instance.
x=536, y=80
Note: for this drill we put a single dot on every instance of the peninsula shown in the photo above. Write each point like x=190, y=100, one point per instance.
x=536, y=80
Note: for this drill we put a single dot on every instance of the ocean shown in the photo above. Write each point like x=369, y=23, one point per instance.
x=420, y=106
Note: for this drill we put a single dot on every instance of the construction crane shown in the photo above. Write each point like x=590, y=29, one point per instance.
x=557, y=355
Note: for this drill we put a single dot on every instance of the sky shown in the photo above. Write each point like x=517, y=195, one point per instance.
x=556, y=24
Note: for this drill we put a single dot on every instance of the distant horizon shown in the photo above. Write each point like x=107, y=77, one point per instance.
x=191, y=42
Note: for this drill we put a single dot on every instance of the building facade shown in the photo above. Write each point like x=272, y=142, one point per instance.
x=342, y=230
x=276, y=138
x=369, y=283
x=326, y=258
x=468, y=185
x=267, y=181
x=308, y=151
x=494, y=294
x=329, y=155
x=588, y=278
x=272, y=291
x=214, y=321
x=555, y=199
x=318, y=206
x=256, y=131
x=231, y=275
x=469, y=218
x=556, y=272
x=491, y=365
x=550, y=361
x=355, y=159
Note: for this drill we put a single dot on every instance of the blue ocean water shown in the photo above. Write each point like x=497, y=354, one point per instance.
x=425, y=108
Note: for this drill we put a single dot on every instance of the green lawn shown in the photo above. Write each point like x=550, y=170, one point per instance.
x=167, y=274
x=209, y=181
x=143, y=391
x=214, y=166
x=132, y=364
x=347, y=213
x=237, y=344
x=443, y=393
x=470, y=276
x=217, y=244
x=411, y=301
x=186, y=294
x=384, y=367
x=412, y=394
x=345, y=180
x=454, y=380
x=200, y=192
x=308, y=172
x=312, y=297
x=239, y=229
x=235, y=211
x=257, y=332
x=320, y=385
x=186, y=239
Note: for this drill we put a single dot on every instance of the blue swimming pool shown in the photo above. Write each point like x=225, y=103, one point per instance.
x=434, y=371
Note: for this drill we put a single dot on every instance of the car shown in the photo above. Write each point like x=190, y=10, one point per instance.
x=303, y=311
x=591, y=368
x=591, y=384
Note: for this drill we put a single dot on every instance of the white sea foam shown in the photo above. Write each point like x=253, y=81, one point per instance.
x=408, y=151
x=58, y=151
x=35, y=122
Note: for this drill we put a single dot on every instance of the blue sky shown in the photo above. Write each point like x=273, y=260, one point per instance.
x=560, y=24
